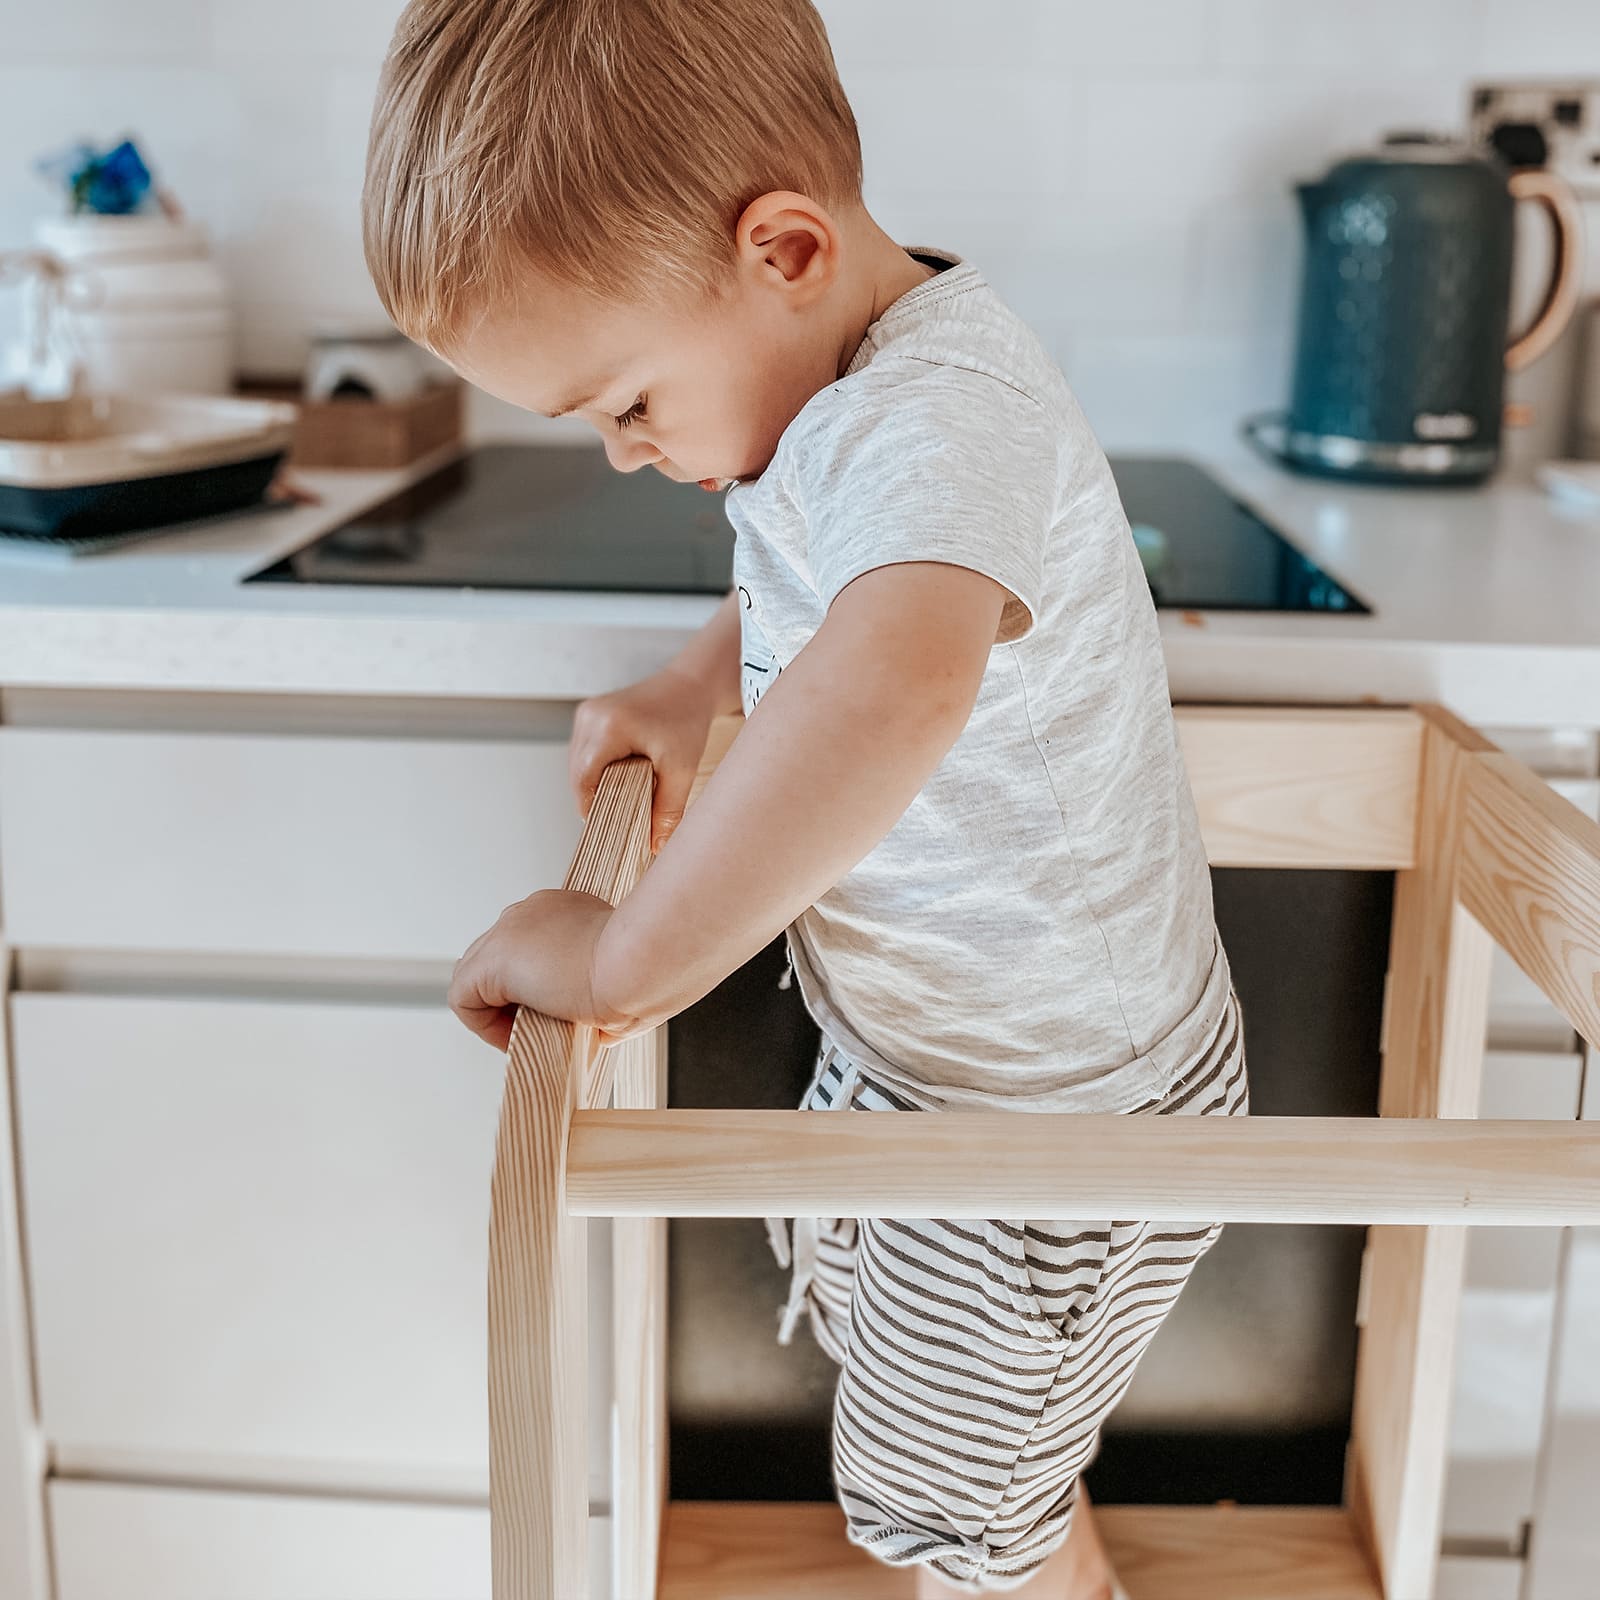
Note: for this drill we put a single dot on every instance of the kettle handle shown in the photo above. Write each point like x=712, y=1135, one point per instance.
x=1561, y=298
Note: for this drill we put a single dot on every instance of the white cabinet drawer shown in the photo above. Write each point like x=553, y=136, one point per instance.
x=258, y=1241
x=263, y=843
x=1519, y=1015
x=131, y=1542
x=1479, y=1578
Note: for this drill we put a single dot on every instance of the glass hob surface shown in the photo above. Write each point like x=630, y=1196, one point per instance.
x=510, y=516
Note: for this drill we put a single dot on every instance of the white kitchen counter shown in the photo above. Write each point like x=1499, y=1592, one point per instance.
x=1487, y=600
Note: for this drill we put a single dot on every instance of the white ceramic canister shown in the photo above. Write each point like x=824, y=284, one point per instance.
x=144, y=307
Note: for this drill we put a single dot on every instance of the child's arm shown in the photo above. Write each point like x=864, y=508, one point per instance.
x=665, y=717
x=835, y=751
x=830, y=758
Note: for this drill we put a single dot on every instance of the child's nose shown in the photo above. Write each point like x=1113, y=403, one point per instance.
x=629, y=452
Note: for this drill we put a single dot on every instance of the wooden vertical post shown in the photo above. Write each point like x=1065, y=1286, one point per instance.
x=538, y=1266
x=639, y=1352
x=1435, y=1021
x=538, y=1328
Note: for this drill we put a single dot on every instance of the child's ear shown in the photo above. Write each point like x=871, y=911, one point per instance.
x=788, y=242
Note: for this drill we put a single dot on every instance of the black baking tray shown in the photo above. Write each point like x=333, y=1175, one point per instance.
x=84, y=510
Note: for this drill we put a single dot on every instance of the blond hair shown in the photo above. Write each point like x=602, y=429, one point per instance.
x=610, y=144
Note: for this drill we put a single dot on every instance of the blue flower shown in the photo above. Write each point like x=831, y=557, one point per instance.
x=112, y=184
x=117, y=183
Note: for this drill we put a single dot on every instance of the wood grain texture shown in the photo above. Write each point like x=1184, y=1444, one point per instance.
x=1435, y=1021
x=1227, y=1552
x=639, y=1352
x=1530, y=873
x=538, y=1346
x=738, y=1550
x=747, y=1551
x=718, y=1163
x=1280, y=787
x=1284, y=787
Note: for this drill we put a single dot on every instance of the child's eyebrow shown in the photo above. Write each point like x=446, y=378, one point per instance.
x=578, y=405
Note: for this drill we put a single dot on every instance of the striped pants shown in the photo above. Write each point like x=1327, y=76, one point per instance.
x=979, y=1360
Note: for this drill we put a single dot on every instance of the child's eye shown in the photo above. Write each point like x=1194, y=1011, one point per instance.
x=634, y=413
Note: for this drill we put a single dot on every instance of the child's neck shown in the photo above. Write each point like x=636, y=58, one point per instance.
x=878, y=274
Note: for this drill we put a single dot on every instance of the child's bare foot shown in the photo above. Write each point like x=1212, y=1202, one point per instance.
x=1078, y=1570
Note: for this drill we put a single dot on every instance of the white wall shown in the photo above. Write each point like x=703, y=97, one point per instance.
x=1120, y=167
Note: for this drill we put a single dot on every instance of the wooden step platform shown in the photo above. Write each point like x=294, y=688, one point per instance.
x=716, y=1550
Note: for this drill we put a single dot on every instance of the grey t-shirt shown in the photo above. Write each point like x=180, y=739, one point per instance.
x=1037, y=927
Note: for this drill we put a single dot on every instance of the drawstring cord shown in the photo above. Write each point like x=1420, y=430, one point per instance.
x=805, y=1230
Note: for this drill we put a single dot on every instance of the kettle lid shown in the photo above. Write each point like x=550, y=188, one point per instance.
x=1413, y=144
x=1414, y=147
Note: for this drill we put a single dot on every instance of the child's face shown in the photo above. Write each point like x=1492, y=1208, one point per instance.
x=701, y=392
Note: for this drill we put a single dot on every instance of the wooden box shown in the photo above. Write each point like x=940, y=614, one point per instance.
x=367, y=433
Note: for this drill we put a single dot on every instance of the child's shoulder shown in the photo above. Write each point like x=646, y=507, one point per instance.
x=967, y=330
x=950, y=366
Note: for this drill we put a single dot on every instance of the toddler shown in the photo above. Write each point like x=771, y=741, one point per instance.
x=958, y=790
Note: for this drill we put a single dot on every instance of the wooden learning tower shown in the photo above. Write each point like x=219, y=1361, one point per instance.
x=1484, y=853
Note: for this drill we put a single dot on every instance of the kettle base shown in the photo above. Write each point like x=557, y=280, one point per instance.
x=1315, y=467
x=1322, y=455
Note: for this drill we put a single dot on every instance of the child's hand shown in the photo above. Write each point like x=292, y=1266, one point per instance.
x=665, y=718
x=540, y=954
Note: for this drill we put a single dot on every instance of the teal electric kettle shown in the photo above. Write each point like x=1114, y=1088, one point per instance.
x=1405, y=297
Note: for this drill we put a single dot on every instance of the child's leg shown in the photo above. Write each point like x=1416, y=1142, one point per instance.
x=983, y=1358
x=821, y=1251
x=1077, y=1569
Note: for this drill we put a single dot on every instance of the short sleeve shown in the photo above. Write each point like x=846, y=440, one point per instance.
x=944, y=465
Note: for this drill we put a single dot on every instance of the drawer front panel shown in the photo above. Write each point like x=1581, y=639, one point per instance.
x=258, y=1240
x=263, y=843
x=116, y=1541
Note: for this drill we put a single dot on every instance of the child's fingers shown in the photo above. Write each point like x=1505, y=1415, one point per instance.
x=671, y=797
x=598, y=738
x=611, y=1036
x=583, y=770
x=473, y=998
x=585, y=780
x=498, y=1033
x=491, y=1023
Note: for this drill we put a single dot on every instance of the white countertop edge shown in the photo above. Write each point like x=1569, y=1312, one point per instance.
x=497, y=658
x=1509, y=686
x=547, y=659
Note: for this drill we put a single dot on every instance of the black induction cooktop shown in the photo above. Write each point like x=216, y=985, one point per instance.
x=510, y=516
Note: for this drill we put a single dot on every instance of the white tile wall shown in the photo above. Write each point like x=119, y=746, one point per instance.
x=1355, y=39
x=1122, y=171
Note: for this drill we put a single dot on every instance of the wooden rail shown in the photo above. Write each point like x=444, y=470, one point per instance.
x=1162, y=1169
x=1530, y=873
